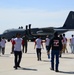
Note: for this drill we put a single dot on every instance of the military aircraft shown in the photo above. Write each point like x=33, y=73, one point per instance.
x=9, y=33
x=68, y=26
x=32, y=33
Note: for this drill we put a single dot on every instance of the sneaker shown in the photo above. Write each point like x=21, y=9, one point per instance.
x=56, y=70
x=37, y=59
x=15, y=67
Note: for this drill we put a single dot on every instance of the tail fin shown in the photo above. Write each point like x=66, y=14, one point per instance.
x=69, y=23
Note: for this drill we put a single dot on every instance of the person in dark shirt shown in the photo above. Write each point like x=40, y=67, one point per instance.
x=25, y=39
x=56, y=45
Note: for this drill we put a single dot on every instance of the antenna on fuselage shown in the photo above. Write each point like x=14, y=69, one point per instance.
x=26, y=29
x=30, y=29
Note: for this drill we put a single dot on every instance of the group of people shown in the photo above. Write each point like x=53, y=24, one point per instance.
x=57, y=45
x=17, y=43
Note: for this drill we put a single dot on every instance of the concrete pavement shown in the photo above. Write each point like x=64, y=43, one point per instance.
x=30, y=65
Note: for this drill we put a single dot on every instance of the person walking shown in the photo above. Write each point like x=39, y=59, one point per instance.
x=12, y=51
x=47, y=41
x=38, y=44
x=25, y=44
x=56, y=46
x=17, y=50
x=72, y=44
x=3, y=41
x=64, y=44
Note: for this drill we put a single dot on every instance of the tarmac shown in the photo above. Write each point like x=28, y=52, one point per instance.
x=30, y=65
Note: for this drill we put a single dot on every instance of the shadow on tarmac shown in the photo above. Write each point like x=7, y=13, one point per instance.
x=5, y=55
x=66, y=72
x=68, y=57
x=22, y=68
x=46, y=60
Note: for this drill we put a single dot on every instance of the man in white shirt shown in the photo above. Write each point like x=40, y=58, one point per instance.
x=17, y=50
x=47, y=40
x=38, y=44
x=64, y=44
x=72, y=44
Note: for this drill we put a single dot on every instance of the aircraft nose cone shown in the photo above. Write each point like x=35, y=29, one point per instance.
x=0, y=35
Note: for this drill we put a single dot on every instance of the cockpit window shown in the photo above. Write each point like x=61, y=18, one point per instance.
x=6, y=31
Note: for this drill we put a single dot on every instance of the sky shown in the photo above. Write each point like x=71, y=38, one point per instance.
x=39, y=13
